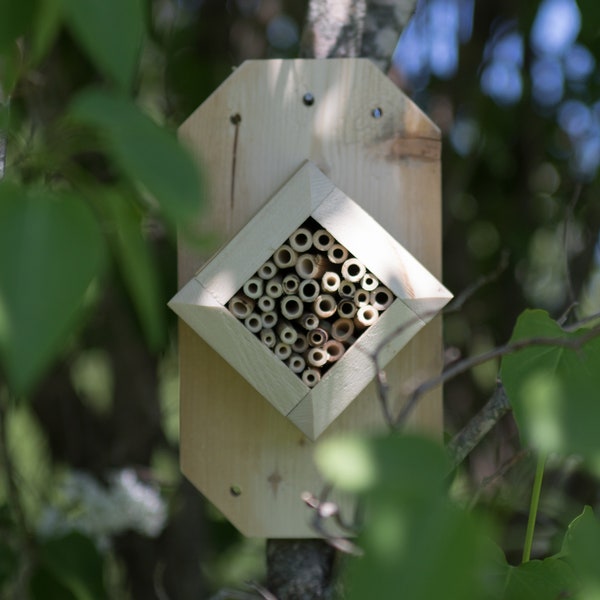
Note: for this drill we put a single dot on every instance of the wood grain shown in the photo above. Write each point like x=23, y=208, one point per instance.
x=230, y=435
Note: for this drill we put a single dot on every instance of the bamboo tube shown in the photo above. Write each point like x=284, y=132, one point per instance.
x=362, y=298
x=365, y=317
x=285, y=257
x=324, y=306
x=311, y=266
x=347, y=309
x=311, y=377
x=291, y=283
x=282, y=351
x=309, y=290
x=266, y=303
x=291, y=307
x=268, y=338
x=241, y=306
x=253, y=323
x=330, y=282
x=309, y=321
x=316, y=357
x=253, y=288
x=334, y=350
x=301, y=240
x=268, y=270
x=369, y=282
x=337, y=254
x=274, y=288
x=317, y=337
x=342, y=330
x=296, y=363
x=347, y=289
x=353, y=270
x=301, y=344
x=269, y=319
x=286, y=332
x=381, y=298
x=322, y=240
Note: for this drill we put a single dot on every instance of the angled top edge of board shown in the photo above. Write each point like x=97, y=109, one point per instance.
x=297, y=76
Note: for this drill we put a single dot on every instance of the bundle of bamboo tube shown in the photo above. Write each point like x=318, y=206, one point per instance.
x=310, y=302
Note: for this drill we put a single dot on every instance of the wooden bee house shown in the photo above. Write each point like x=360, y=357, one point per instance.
x=325, y=181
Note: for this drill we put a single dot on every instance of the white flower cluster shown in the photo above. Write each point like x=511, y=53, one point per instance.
x=100, y=511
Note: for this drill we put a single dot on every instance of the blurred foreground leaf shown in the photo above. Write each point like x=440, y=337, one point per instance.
x=70, y=568
x=50, y=250
x=110, y=31
x=14, y=21
x=135, y=262
x=417, y=543
x=145, y=152
x=553, y=390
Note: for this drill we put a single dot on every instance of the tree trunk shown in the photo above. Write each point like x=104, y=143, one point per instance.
x=304, y=569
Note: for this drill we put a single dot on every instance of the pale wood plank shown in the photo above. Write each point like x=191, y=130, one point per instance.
x=230, y=435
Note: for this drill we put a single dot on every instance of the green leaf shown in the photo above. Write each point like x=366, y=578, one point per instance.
x=137, y=268
x=71, y=567
x=9, y=564
x=45, y=27
x=110, y=31
x=417, y=544
x=15, y=19
x=553, y=390
x=549, y=579
x=581, y=546
x=50, y=251
x=145, y=152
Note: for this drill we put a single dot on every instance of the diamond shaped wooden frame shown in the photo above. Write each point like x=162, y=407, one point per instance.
x=309, y=193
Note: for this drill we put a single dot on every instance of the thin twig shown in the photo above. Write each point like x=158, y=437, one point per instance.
x=478, y=427
x=468, y=363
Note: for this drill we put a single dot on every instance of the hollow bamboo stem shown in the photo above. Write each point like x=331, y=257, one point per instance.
x=253, y=288
x=301, y=344
x=291, y=307
x=266, y=303
x=310, y=266
x=365, y=317
x=309, y=290
x=285, y=256
x=330, y=282
x=286, y=332
x=369, y=282
x=274, y=288
x=317, y=337
x=241, y=306
x=268, y=338
x=296, y=363
x=301, y=240
x=316, y=357
x=253, y=323
x=334, y=350
x=268, y=270
x=337, y=254
x=322, y=240
x=342, y=329
x=282, y=351
x=381, y=298
x=347, y=289
x=309, y=321
x=291, y=283
x=362, y=298
x=324, y=306
x=347, y=309
x=269, y=319
x=353, y=270
x=311, y=377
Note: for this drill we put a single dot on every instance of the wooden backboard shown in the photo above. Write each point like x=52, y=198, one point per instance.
x=250, y=137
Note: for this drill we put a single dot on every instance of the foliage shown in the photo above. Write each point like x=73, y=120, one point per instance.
x=94, y=186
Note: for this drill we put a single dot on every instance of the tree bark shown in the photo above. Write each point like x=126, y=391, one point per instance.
x=304, y=569
x=354, y=28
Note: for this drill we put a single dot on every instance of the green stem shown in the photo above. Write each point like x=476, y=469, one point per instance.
x=533, y=508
